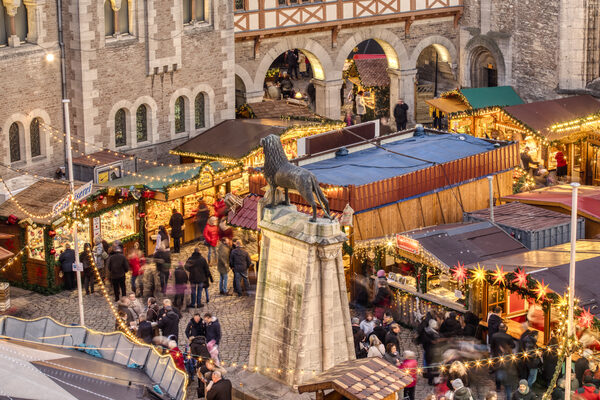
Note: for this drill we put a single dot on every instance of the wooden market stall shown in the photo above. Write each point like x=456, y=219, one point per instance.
x=238, y=140
x=558, y=198
x=162, y=189
x=568, y=125
x=477, y=106
x=360, y=379
x=29, y=220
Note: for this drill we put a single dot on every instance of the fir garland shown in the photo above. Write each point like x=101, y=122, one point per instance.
x=115, y=206
x=50, y=259
x=24, y=256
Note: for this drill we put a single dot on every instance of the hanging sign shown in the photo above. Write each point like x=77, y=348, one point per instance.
x=407, y=244
x=80, y=193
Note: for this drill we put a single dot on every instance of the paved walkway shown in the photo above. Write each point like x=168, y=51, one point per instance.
x=235, y=314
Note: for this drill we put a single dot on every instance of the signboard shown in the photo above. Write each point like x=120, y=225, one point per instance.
x=80, y=193
x=407, y=244
x=78, y=267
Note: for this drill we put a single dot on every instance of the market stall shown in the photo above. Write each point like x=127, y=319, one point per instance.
x=473, y=110
x=179, y=187
x=41, y=235
x=567, y=125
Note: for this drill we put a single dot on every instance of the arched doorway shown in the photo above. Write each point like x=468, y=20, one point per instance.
x=289, y=76
x=240, y=92
x=483, y=68
x=435, y=75
x=365, y=92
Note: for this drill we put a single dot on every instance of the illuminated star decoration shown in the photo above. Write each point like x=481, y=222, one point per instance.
x=585, y=318
x=541, y=290
x=459, y=272
x=479, y=274
x=520, y=278
x=499, y=275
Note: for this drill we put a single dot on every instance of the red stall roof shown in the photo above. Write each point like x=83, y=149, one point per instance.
x=588, y=204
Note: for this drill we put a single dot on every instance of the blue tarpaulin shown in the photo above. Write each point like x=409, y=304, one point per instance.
x=375, y=164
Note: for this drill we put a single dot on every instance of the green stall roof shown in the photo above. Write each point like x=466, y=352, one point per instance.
x=492, y=96
x=173, y=174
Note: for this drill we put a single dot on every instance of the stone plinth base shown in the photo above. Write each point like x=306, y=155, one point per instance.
x=252, y=386
x=301, y=317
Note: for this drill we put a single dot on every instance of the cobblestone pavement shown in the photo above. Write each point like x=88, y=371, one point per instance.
x=235, y=314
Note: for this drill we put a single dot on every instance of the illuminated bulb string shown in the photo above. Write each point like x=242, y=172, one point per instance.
x=14, y=258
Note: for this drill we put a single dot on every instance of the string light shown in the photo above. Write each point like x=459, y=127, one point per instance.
x=14, y=258
x=23, y=209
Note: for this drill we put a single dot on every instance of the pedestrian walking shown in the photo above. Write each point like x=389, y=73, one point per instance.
x=162, y=257
x=223, y=253
x=361, y=108
x=239, y=261
x=153, y=310
x=220, y=388
x=201, y=218
x=382, y=300
x=292, y=61
x=211, y=236
x=169, y=323
x=66, y=261
x=410, y=364
x=212, y=328
x=100, y=257
x=86, y=259
x=302, y=64
x=220, y=207
x=118, y=266
x=181, y=281
x=177, y=226
x=401, y=115
x=393, y=336
x=376, y=348
x=461, y=392
x=197, y=266
x=195, y=328
x=525, y=393
x=136, y=262
x=368, y=324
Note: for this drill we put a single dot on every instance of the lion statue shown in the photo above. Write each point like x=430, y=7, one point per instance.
x=279, y=172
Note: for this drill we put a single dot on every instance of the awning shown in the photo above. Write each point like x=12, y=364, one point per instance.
x=448, y=105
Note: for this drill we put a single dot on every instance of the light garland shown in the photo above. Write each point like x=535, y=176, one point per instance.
x=12, y=260
x=23, y=209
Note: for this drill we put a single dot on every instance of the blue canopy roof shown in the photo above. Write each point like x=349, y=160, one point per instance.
x=375, y=164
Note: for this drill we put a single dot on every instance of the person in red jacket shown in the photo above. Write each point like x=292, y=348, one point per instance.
x=219, y=206
x=561, y=164
x=176, y=355
x=211, y=236
x=410, y=364
x=136, y=262
x=588, y=391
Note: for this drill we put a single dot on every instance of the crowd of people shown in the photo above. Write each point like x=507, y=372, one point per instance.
x=140, y=310
x=450, y=339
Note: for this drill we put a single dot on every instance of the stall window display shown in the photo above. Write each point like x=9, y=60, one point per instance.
x=64, y=235
x=159, y=213
x=443, y=285
x=241, y=185
x=35, y=240
x=190, y=203
x=118, y=224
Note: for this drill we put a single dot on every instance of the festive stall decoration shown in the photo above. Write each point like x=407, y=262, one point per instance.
x=585, y=319
x=520, y=278
x=460, y=273
x=499, y=276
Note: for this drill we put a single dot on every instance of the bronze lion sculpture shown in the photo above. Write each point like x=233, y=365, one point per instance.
x=279, y=172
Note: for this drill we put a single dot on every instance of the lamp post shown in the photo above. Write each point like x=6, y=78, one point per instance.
x=69, y=154
x=570, y=324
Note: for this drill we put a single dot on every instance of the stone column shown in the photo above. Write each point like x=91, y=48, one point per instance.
x=32, y=20
x=255, y=96
x=301, y=317
x=116, y=6
x=572, y=51
x=407, y=92
x=394, y=75
x=328, y=98
x=12, y=6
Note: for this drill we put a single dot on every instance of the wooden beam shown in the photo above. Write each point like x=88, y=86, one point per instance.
x=457, y=19
x=334, y=36
x=401, y=219
x=440, y=205
x=257, y=40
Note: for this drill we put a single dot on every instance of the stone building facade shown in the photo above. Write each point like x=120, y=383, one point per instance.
x=545, y=49
x=141, y=76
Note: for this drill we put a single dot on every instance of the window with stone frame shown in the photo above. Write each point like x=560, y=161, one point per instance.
x=180, y=115
x=193, y=10
x=34, y=138
x=238, y=5
x=14, y=23
x=141, y=123
x=120, y=128
x=116, y=20
x=14, y=138
x=199, y=114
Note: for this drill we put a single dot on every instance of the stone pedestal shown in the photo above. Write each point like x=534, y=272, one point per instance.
x=301, y=316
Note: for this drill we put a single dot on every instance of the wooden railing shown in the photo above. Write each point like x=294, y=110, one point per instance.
x=252, y=17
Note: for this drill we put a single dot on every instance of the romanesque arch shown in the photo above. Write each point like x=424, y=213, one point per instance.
x=319, y=59
x=393, y=47
x=443, y=45
x=481, y=51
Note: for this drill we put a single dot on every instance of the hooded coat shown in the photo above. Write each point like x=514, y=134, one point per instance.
x=213, y=330
x=169, y=324
x=197, y=266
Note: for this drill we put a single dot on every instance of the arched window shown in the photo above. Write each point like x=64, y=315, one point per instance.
x=109, y=19
x=34, y=136
x=180, y=115
x=14, y=138
x=193, y=10
x=120, y=128
x=141, y=123
x=7, y=25
x=199, y=111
